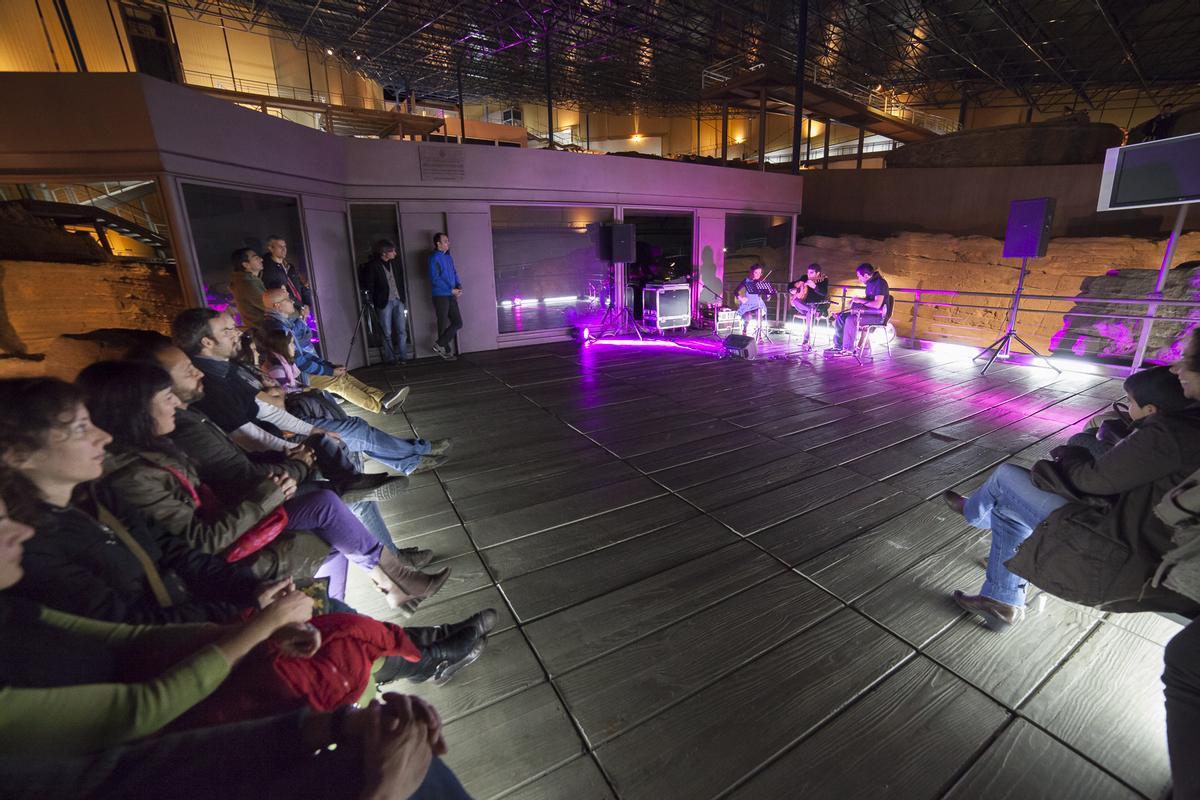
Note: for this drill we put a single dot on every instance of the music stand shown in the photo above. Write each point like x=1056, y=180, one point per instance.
x=1004, y=343
x=618, y=319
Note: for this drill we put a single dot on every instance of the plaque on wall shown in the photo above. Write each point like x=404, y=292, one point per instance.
x=441, y=163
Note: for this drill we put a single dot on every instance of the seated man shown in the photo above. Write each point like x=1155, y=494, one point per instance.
x=1085, y=526
x=1147, y=392
x=810, y=297
x=871, y=307
x=322, y=374
x=750, y=295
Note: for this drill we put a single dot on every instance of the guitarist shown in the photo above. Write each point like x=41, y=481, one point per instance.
x=810, y=298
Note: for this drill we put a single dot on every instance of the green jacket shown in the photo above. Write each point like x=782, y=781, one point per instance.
x=67, y=720
x=142, y=482
x=247, y=296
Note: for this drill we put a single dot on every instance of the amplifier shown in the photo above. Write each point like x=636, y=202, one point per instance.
x=667, y=306
x=726, y=321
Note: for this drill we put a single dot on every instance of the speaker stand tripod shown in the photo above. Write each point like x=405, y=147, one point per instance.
x=1003, y=345
x=618, y=319
x=367, y=318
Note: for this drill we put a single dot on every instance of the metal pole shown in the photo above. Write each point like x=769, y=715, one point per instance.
x=861, y=136
x=1159, y=284
x=798, y=110
x=825, y=155
x=1012, y=312
x=462, y=114
x=724, y=133
x=697, y=128
x=808, y=142
x=549, y=96
x=762, y=128
x=587, y=131
x=912, y=334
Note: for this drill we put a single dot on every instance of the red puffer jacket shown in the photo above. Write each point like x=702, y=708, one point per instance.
x=268, y=683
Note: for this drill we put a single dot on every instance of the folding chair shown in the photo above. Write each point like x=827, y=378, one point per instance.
x=862, y=342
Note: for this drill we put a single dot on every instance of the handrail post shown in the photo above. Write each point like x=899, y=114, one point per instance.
x=1152, y=307
x=912, y=334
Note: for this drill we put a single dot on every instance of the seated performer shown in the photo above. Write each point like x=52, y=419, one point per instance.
x=810, y=298
x=750, y=294
x=871, y=307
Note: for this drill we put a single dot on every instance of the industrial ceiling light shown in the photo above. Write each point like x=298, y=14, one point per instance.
x=328, y=52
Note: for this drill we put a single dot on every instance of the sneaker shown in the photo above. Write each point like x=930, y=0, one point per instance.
x=439, y=447
x=393, y=401
x=428, y=464
x=372, y=488
x=447, y=355
x=834, y=352
x=441, y=351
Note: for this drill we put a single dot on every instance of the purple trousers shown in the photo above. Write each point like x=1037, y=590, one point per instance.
x=323, y=513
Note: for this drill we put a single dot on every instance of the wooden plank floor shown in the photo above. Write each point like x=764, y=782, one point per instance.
x=720, y=578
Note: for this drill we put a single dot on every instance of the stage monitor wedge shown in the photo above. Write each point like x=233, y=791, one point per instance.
x=1149, y=174
x=1028, y=231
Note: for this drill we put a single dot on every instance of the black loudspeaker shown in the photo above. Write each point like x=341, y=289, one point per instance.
x=740, y=346
x=1028, y=231
x=623, y=243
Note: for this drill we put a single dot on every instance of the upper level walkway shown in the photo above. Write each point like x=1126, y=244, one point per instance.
x=721, y=578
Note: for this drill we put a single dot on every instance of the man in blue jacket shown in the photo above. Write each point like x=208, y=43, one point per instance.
x=446, y=290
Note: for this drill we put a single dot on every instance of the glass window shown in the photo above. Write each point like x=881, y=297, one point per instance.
x=751, y=239
x=664, y=250
x=223, y=220
x=549, y=273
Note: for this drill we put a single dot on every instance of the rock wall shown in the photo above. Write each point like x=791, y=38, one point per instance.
x=1081, y=266
x=40, y=301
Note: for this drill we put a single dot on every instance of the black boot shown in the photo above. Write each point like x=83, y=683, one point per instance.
x=481, y=623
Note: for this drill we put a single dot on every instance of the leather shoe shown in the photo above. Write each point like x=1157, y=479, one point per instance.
x=441, y=660
x=480, y=623
x=414, y=557
x=956, y=501
x=996, y=615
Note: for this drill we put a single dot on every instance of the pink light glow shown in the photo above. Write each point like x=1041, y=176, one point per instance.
x=705, y=348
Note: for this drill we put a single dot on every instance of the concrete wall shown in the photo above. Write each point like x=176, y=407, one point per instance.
x=135, y=126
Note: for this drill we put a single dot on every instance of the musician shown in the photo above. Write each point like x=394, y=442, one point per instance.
x=751, y=295
x=872, y=305
x=810, y=297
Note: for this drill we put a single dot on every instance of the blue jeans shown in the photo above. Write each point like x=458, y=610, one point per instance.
x=1011, y=507
x=402, y=455
x=395, y=331
x=371, y=518
x=845, y=327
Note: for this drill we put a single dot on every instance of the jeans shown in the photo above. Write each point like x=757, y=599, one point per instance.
x=263, y=758
x=395, y=331
x=372, y=519
x=845, y=326
x=402, y=455
x=1011, y=507
x=449, y=320
x=350, y=389
x=1181, y=680
x=323, y=512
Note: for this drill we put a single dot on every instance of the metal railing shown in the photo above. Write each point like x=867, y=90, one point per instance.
x=819, y=75
x=910, y=302
x=267, y=89
x=100, y=195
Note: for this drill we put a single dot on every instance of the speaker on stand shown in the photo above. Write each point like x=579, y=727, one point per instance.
x=618, y=245
x=1026, y=237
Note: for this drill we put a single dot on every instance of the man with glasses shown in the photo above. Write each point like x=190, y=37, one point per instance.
x=322, y=374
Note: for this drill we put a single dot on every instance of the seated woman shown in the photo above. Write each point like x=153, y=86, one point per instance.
x=77, y=696
x=1085, y=526
x=810, y=298
x=750, y=296
x=47, y=436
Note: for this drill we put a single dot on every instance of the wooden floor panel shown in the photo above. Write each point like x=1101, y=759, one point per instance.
x=671, y=541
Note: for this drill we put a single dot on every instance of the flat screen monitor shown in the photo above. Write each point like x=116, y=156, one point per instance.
x=1161, y=173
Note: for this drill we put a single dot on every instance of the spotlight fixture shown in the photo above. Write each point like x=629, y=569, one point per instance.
x=328, y=52
x=637, y=137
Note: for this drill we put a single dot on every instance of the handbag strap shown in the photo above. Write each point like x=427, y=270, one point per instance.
x=153, y=577
x=187, y=485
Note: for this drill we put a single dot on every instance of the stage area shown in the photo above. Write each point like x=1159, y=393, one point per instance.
x=729, y=578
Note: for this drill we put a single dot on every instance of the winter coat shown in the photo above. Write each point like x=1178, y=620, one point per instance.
x=1180, y=567
x=248, y=291
x=144, y=481
x=286, y=276
x=1103, y=547
x=267, y=682
x=78, y=565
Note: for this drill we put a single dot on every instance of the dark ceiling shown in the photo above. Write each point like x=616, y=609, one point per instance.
x=649, y=55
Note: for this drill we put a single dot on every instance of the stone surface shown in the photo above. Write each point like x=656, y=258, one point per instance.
x=1069, y=140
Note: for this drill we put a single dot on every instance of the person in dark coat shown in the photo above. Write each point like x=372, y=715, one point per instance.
x=1084, y=528
x=382, y=278
x=279, y=273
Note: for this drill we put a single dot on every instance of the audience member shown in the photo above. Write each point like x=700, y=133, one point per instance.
x=382, y=278
x=867, y=310
x=322, y=374
x=79, y=695
x=1146, y=392
x=446, y=290
x=279, y=273
x=247, y=285
x=1084, y=525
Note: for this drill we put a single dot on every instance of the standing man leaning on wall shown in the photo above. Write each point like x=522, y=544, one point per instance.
x=446, y=290
x=279, y=273
x=382, y=278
